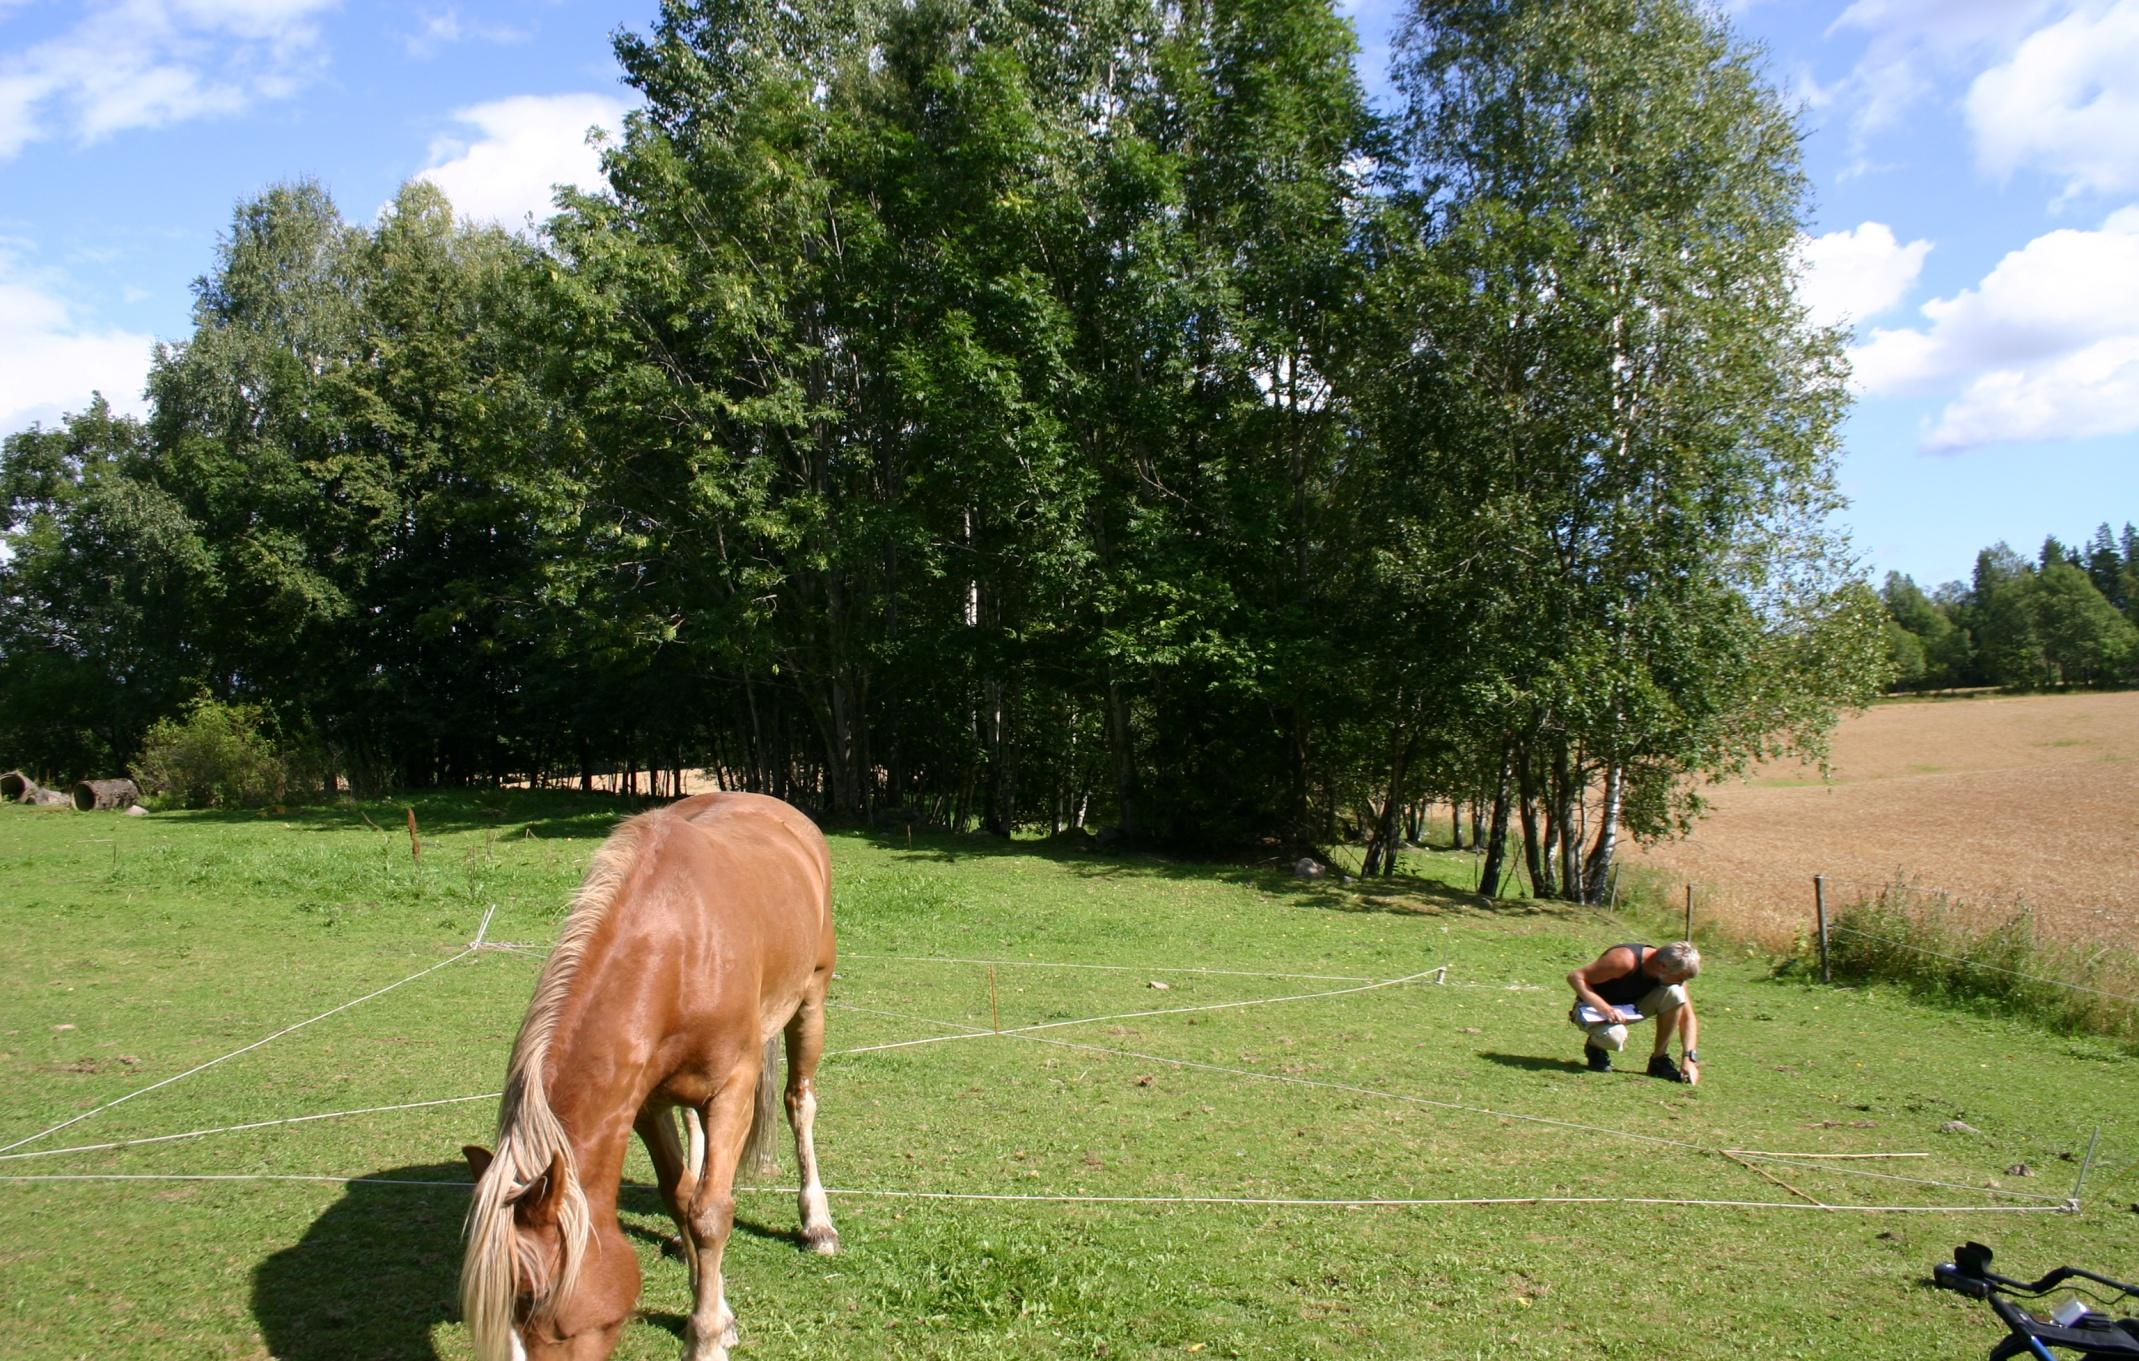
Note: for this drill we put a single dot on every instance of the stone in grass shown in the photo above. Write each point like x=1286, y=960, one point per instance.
x=2020, y=1170
x=1156, y=985
x=137, y=811
x=1308, y=868
x=1958, y=1127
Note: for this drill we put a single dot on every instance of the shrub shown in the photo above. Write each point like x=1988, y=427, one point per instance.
x=217, y=756
x=1942, y=948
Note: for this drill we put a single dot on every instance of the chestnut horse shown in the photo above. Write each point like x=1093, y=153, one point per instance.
x=703, y=931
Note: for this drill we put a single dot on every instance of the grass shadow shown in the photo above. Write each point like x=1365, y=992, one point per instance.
x=373, y=1276
x=1403, y=894
x=1534, y=1063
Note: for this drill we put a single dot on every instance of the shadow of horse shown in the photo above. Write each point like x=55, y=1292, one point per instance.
x=404, y=1244
x=373, y=1276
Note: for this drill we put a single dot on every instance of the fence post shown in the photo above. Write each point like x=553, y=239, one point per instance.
x=1689, y=912
x=1819, y=900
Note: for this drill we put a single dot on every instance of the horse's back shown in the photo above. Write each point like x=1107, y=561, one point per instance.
x=726, y=912
x=767, y=825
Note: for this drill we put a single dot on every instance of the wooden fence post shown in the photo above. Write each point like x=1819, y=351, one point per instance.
x=1819, y=901
x=1689, y=912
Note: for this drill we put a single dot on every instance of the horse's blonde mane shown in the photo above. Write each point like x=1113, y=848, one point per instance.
x=529, y=1137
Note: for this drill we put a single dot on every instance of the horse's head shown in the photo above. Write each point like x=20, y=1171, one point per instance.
x=539, y=1282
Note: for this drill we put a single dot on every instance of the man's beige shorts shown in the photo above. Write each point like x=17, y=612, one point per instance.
x=1661, y=998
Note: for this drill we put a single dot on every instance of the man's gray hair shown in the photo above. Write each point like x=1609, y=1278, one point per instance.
x=1679, y=957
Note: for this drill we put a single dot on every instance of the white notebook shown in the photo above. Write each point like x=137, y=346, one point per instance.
x=1591, y=1016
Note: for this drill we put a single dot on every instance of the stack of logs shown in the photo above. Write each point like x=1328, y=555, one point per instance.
x=90, y=796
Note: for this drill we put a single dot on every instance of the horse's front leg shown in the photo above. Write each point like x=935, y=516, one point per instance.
x=676, y=1169
x=726, y=1119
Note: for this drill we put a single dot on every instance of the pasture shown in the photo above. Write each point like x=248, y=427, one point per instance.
x=1176, y=1171
x=1996, y=801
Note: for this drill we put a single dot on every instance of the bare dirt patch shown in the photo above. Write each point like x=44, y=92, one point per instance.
x=1997, y=802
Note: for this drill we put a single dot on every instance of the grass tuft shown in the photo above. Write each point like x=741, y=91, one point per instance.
x=1944, y=949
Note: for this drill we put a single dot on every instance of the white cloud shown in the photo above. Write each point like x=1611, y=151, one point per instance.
x=440, y=29
x=2067, y=102
x=527, y=145
x=1912, y=47
x=2045, y=347
x=1853, y=276
x=143, y=63
x=51, y=360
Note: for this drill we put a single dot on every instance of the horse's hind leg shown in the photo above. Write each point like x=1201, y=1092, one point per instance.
x=711, y=1216
x=805, y=1045
x=676, y=1169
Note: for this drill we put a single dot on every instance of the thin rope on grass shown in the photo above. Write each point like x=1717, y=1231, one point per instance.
x=1417, y=1202
x=235, y=1129
x=231, y=1176
x=1136, y=1015
x=199, y=1068
x=1267, y=1202
x=1974, y=964
x=1148, y=971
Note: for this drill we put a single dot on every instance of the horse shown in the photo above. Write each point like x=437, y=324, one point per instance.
x=701, y=935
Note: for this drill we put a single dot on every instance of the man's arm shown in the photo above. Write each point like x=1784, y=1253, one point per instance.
x=1616, y=962
x=1690, y=1036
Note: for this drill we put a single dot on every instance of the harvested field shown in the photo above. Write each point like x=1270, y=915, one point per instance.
x=1996, y=801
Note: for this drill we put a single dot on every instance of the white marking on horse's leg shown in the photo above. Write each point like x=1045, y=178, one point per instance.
x=817, y=1228
x=694, y=1160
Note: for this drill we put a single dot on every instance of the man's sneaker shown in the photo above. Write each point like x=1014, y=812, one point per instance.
x=1599, y=1060
x=1660, y=1065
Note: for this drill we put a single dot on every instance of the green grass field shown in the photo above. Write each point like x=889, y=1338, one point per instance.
x=140, y=948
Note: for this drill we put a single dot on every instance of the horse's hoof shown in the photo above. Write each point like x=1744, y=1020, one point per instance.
x=824, y=1242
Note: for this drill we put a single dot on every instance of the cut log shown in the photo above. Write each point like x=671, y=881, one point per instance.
x=98, y=796
x=16, y=787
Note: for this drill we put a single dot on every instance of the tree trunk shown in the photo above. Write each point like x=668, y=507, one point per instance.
x=1496, y=841
x=1566, y=800
x=1381, y=850
x=102, y=796
x=1599, y=870
x=1540, y=878
x=1123, y=754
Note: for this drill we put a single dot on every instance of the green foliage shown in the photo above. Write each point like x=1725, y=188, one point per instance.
x=218, y=756
x=999, y=417
x=2063, y=620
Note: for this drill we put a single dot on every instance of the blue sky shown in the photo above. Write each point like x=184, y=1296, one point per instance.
x=1975, y=166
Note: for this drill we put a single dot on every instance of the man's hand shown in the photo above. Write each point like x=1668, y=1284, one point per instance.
x=1691, y=1071
x=1612, y=1015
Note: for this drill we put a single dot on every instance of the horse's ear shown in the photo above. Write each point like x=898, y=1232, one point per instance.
x=538, y=1204
x=478, y=1159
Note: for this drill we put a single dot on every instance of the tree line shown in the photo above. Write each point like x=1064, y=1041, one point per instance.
x=2071, y=617
x=1007, y=414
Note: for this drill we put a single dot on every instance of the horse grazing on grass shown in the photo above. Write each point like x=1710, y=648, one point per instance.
x=702, y=932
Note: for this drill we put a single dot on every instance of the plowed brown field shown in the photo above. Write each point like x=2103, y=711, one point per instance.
x=1996, y=801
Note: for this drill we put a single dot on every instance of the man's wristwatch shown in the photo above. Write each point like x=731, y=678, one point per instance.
x=1693, y=1056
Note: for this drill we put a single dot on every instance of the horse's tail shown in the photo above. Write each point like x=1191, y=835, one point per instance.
x=765, y=1122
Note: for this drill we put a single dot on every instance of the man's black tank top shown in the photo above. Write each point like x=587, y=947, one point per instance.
x=1625, y=992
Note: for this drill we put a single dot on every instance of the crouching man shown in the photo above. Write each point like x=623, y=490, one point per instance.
x=1628, y=984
